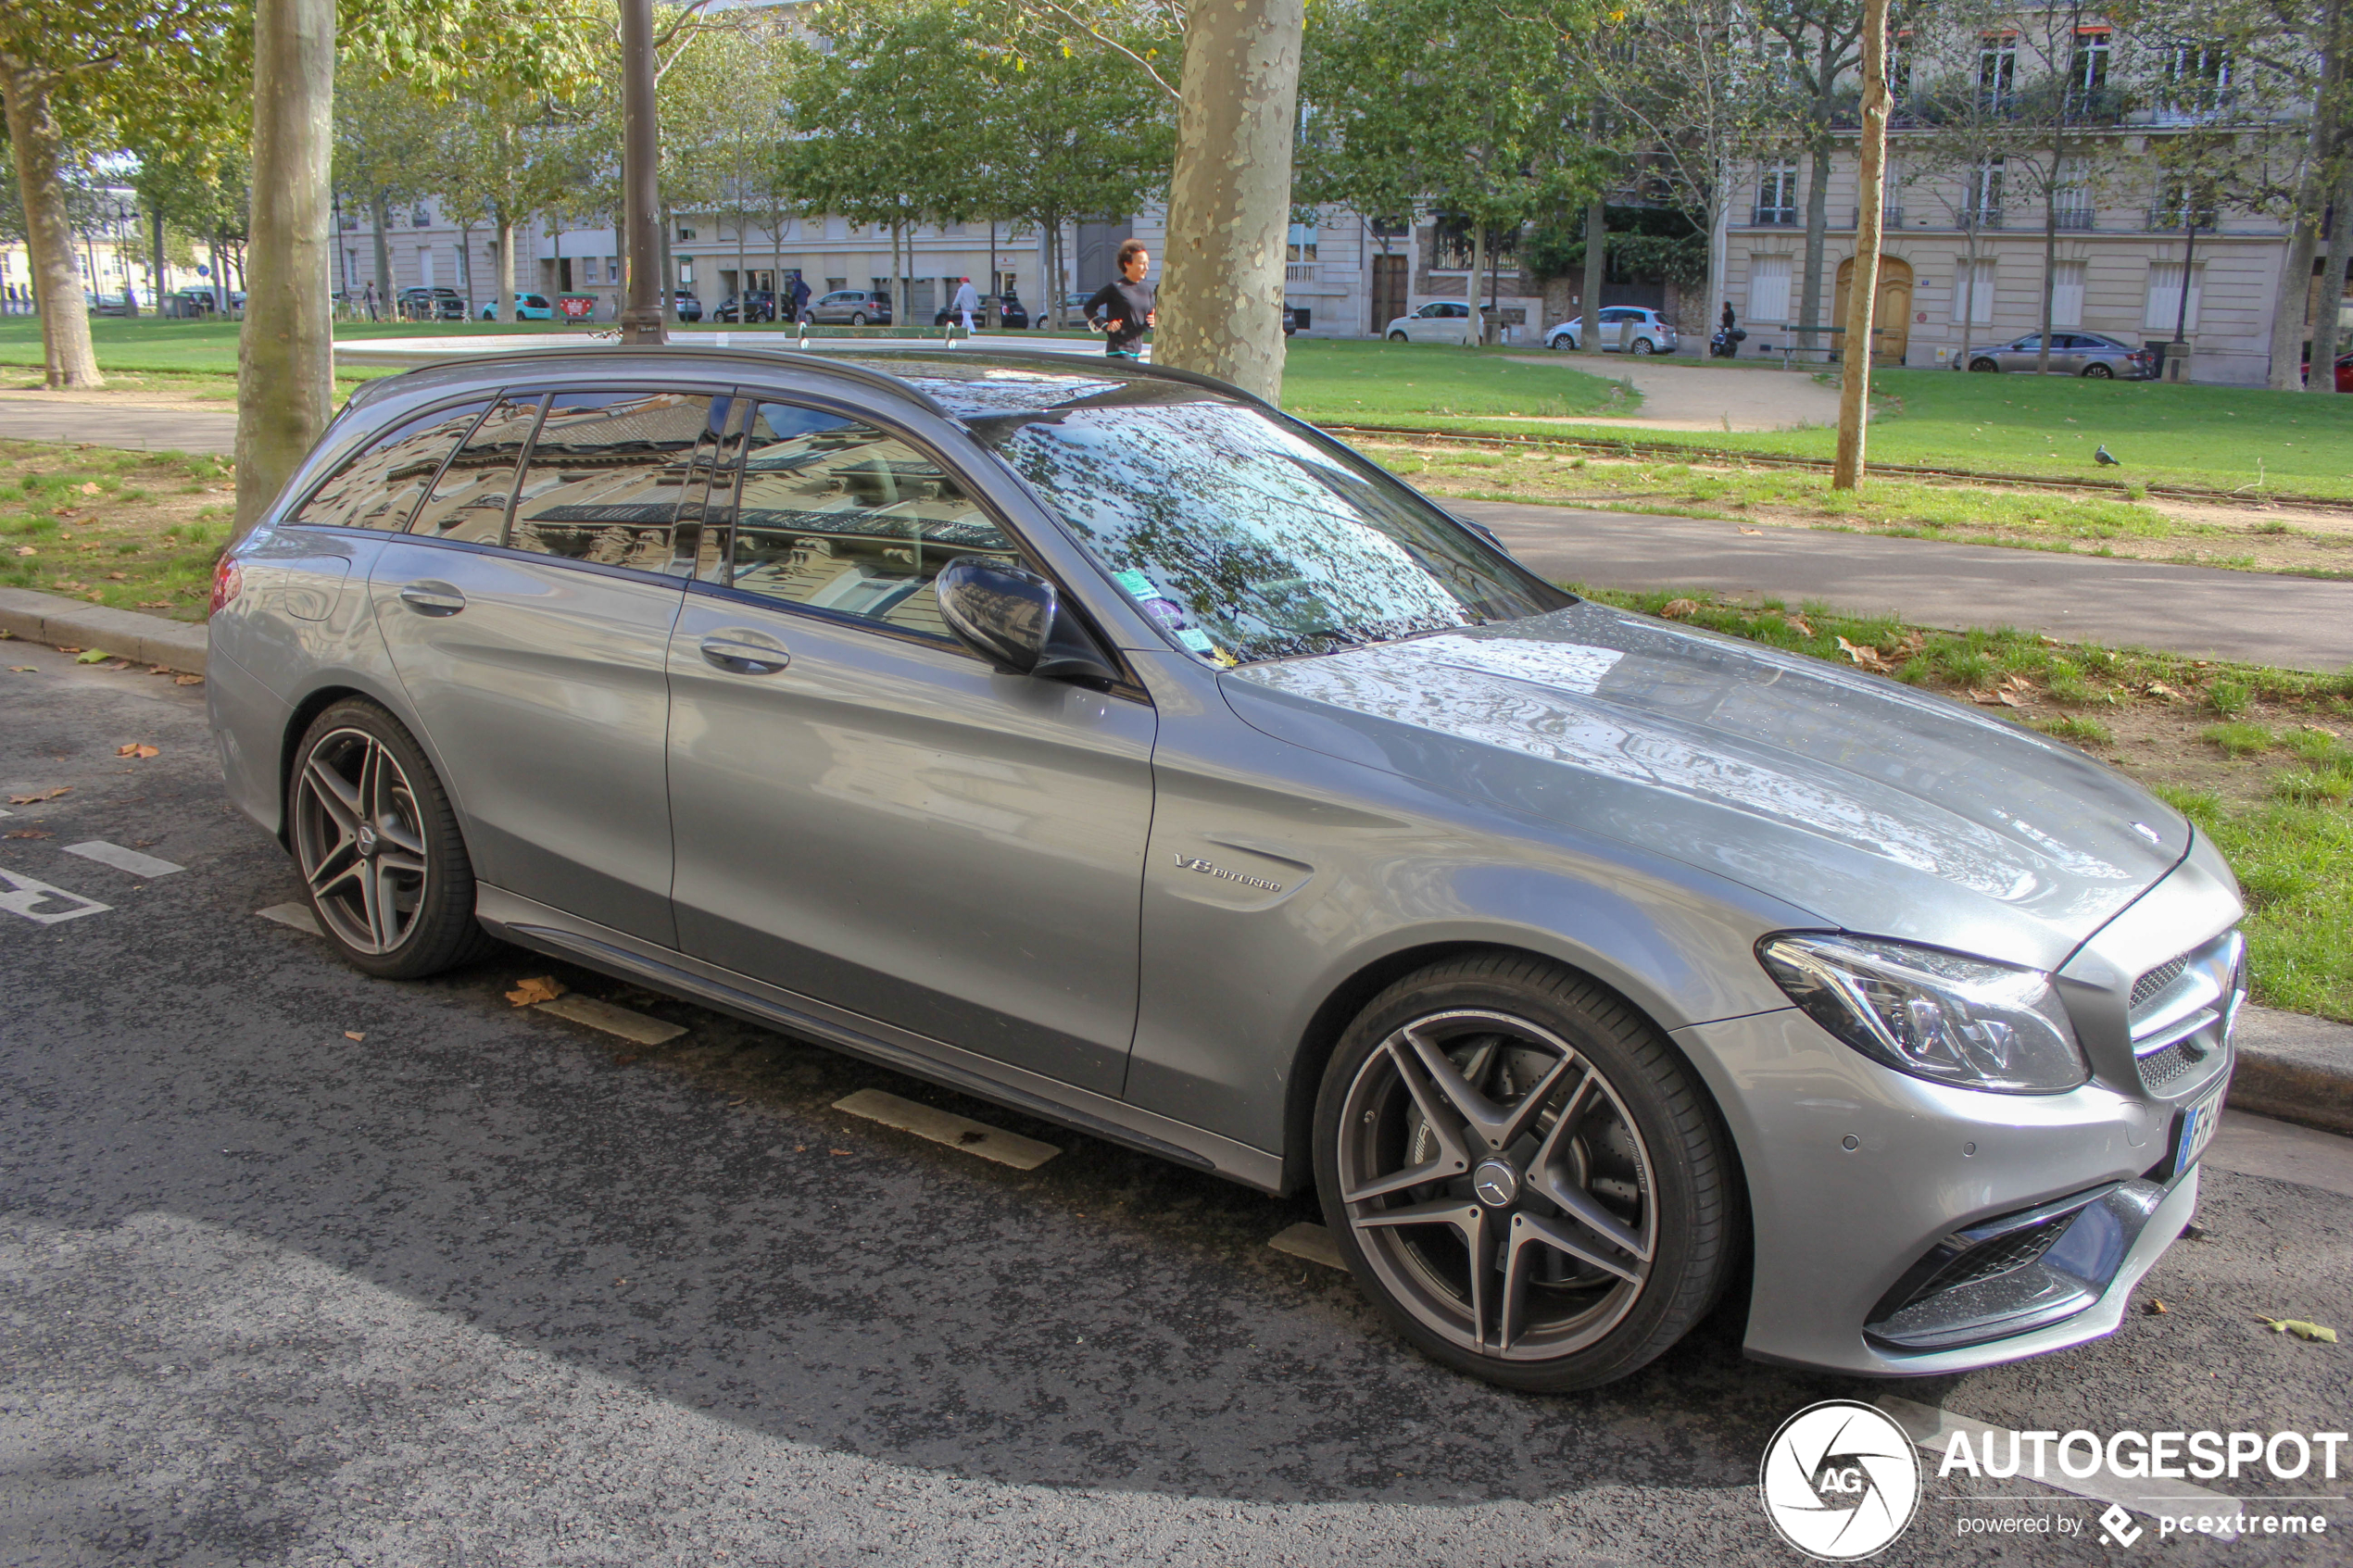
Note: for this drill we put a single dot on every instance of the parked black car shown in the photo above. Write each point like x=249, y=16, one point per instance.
x=431, y=305
x=689, y=309
x=758, y=305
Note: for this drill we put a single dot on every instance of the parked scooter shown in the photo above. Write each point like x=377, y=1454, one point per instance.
x=1726, y=343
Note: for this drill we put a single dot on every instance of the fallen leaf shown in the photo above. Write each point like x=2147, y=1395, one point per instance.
x=1754, y=532
x=5, y=634
x=155, y=603
x=353, y=1035
x=2159, y=688
x=26, y=669
x=95, y=656
x=118, y=577
x=27, y=550
x=158, y=669
x=66, y=647
x=134, y=749
x=1986, y=699
x=539, y=988
x=1677, y=610
x=188, y=679
x=836, y=1151
x=1798, y=622
x=732, y=1103
x=37, y=799
x=1864, y=657
x=89, y=489
x=2155, y=1308
x=2050, y=642
x=2300, y=1328
x=29, y=833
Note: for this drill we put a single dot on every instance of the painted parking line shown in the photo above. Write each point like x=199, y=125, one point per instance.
x=26, y=896
x=1312, y=1242
x=960, y=1133
x=296, y=917
x=634, y=1027
x=1934, y=1430
x=122, y=859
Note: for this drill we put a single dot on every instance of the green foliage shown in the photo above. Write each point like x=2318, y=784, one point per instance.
x=2239, y=740
x=2079, y=728
x=1642, y=242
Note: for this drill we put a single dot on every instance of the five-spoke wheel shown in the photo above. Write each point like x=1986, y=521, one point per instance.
x=1522, y=1174
x=378, y=846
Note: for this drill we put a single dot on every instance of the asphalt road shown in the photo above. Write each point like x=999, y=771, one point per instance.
x=300, y=1267
x=2207, y=612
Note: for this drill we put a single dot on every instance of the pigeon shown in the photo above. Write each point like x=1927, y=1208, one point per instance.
x=2106, y=458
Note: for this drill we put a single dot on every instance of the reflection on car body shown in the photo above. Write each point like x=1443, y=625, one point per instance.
x=1097, y=739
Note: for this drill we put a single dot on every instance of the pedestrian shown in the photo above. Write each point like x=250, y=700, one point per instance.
x=967, y=300
x=368, y=297
x=1123, y=307
x=1729, y=321
x=799, y=297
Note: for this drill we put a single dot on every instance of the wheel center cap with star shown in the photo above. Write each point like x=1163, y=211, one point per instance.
x=367, y=839
x=1495, y=1181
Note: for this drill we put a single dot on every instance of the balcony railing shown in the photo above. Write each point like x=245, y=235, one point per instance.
x=2173, y=218
x=2076, y=216
x=1772, y=217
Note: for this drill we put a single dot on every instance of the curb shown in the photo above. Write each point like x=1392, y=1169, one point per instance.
x=2295, y=1068
x=46, y=617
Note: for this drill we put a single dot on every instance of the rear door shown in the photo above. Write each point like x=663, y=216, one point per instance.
x=867, y=814
x=530, y=624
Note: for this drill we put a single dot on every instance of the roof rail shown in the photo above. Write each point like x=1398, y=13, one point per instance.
x=861, y=373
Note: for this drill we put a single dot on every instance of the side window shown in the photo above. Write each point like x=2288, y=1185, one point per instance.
x=470, y=501
x=379, y=486
x=835, y=515
x=606, y=476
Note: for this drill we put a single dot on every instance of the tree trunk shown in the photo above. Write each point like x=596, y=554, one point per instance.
x=376, y=212
x=1221, y=289
x=1474, y=330
x=2050, y=260
x=2324, y=315
x=1588, y=320
x=162, y=275
x=465, y=264
x=2294, y=298
x=1817, y=222
x=1862, y=290
x=285, y=350
x=669, y=267
x=511, y=296
x=67, y=355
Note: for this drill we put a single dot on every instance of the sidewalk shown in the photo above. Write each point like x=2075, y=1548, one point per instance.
x=2258, y=617
x=29, y=418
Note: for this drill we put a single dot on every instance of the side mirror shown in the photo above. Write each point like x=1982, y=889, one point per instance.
x=1013, y=617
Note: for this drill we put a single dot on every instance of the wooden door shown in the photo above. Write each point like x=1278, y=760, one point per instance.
x=1389, y=291
x=1891, y=311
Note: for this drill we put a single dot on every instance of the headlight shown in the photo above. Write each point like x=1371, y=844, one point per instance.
x=1939, y=1016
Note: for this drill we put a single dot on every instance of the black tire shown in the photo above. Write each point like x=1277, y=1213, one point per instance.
x=1645, y=345
x=1985, y=365
x=1399, y=337
x=383, y=863
x=1645, y=1149
x=2098, y=372
x=857, y=318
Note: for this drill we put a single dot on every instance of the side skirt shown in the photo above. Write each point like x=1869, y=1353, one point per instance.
x=530, y=925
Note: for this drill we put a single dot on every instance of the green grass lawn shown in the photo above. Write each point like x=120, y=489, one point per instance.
x=1433, y=386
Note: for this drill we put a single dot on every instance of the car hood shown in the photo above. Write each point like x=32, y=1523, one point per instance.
x=1877, y=808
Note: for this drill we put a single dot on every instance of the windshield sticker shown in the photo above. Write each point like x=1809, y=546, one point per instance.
x=1193, y=639
x=1136, y=584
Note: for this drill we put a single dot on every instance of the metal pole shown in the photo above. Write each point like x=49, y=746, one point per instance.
x=640, y=150
x=1862, y=288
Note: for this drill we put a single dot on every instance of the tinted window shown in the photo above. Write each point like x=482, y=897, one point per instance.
x=1244, y=537
x=380, y=486
x=837, y=516
x=605, y=475
x=468, y=502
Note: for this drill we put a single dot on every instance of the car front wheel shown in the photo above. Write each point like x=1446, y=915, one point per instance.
x=378, y=847
x=1523, y=1175
x=2098, y=372
x=1984, y=365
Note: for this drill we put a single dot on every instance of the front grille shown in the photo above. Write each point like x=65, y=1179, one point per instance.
x=2157, y=979
x=1999, y=1255
x=2163, y=1069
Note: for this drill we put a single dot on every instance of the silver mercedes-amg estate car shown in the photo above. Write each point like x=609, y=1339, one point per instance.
x=1095, y=739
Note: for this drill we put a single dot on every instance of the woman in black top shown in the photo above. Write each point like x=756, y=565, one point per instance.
x=1123, y=306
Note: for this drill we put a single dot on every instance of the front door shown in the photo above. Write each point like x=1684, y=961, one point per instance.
x=530, y=625
x=1390, y=279
x=867, y=814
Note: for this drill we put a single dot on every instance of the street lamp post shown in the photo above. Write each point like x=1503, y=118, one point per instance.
x=640, y=150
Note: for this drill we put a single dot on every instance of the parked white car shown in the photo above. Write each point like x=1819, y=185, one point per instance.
x=1442, y=320
x=1627, y=327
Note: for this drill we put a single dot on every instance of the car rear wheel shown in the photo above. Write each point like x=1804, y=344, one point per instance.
x=1645, y=345
x=1523, y=1175
x=2098, y=372
x=857, y=318
x=378, y=847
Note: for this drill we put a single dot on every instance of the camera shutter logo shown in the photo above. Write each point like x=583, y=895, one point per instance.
x=1839, y=1481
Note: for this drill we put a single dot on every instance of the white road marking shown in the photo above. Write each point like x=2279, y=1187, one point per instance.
x=632, y=1026
x=25, y=894
x=6, y=812
x=1934, y=1429
x=297, y=916
x=122, y=859
x=959, y=1133
x=1312, y=1242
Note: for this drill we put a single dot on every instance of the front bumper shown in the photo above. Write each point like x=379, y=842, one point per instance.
x=1857, y=1173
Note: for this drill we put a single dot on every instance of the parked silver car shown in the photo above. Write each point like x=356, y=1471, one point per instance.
x=2072, y=354
x=1627, y=328
x=851, y=307
x=1098, y=740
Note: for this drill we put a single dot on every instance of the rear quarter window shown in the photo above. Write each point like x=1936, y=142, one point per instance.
x=381, y=486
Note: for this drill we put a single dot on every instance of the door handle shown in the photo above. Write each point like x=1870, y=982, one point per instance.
x=433, y=599
x=740, y=657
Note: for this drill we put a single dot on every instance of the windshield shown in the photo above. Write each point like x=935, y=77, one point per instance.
x=1247, y=539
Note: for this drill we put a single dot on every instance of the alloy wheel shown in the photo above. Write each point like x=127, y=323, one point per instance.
x=1495, y=1181
x=360, y=839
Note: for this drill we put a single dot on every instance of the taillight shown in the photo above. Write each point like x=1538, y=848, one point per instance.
x=227, y=583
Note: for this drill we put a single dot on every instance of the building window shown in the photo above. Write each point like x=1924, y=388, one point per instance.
x=685, y=235
x=1996, y=69
x=1302, y=245
x=1777, y=193
x=1451, y=246
x=1973, y=302
x=1767, y=288
x=2196, y=77
x=2087, y=69
x=2067, y=294
x=420, y=215
x=2177, y=207
x=1981, y=203
x=2165, y=297
x=1388, y=228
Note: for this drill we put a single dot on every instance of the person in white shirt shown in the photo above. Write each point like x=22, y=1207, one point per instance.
x=967, y=300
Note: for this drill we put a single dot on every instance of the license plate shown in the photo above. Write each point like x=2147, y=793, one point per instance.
x=2198, y=1130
